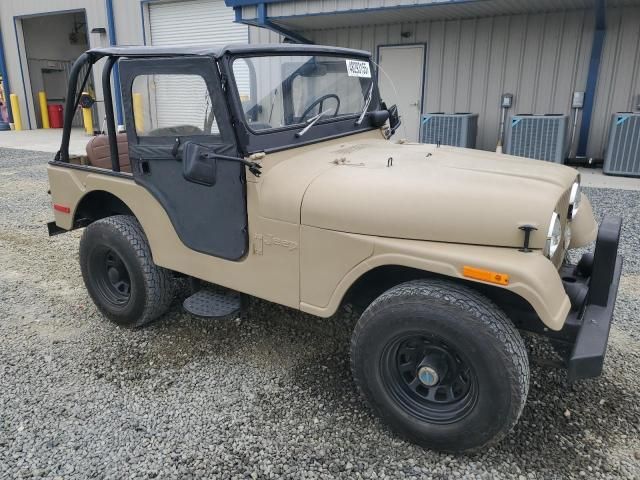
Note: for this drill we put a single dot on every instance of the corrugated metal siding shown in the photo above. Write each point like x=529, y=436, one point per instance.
x=541, y=58
x=441, y=9
x=262, y=35
x=619, y=80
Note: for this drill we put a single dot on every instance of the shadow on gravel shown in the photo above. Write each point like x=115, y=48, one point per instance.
x=270, y=335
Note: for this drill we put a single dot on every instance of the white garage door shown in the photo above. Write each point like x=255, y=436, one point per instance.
x=193, y=22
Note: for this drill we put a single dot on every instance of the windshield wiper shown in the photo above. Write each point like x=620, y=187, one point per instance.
x=366, y=105
x=310, y=123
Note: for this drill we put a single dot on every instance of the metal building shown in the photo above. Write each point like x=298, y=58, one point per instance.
x=39, y=40
x=438, y=55
x=461, y=55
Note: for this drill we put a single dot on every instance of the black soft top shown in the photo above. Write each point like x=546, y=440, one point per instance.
x=218, y=51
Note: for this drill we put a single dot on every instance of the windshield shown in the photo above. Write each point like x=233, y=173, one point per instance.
x=285, y=90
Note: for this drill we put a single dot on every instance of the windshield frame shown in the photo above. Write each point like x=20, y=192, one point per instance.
x=284, y=137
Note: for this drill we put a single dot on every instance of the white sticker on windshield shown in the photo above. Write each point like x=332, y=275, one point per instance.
x=358, y=68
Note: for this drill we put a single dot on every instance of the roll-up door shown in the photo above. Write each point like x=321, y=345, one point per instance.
x=193, y=22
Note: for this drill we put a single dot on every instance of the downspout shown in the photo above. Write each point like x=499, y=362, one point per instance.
x=592, y=77
x=5, y=79
x=116, y=71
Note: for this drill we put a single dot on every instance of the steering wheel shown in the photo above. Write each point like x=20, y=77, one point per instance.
x=320, y=101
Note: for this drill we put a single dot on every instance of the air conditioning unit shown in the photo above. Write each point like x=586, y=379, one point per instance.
x=623, y=151
x=543, y=137
x=457, y=129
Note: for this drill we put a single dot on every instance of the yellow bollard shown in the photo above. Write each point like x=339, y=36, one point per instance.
x=44, y=113
x=86, y=101
x=15, y=109
x=87, y=118
x=138, y=112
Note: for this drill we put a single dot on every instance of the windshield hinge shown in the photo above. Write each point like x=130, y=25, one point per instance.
x=257, y=156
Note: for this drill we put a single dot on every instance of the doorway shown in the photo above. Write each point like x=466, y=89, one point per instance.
x=52, y=43
x=401, y=81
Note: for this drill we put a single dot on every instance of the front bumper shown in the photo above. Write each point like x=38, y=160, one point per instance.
x=592, y=286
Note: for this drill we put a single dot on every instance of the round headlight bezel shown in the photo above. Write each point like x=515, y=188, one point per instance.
x=554, y=236
x=574, y=200
x=567, y=236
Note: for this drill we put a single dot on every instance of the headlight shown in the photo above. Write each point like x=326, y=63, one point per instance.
x=574, y=199
x=554, y=235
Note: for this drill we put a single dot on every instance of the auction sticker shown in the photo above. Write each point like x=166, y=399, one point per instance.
x=358, y=68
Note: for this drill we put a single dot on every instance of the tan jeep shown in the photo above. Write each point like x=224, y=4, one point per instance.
x=269, y=171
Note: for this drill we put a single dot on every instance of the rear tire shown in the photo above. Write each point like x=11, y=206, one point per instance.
x=120, y=276
x=441, y=365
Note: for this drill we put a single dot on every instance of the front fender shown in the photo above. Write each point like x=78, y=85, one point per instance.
x=584, y=227
x=531, y=275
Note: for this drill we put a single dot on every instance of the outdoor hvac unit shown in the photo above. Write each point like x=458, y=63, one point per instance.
x=457, y=129
x=623, y=151
x=543, y=137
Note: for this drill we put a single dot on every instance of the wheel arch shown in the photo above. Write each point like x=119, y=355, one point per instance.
x=97, y=204
x=374, y=282
x=534, y=290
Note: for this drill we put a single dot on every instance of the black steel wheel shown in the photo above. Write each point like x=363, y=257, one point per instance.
x=120, y=276
x=429, y=378
x=441, y=365
x=111, y=276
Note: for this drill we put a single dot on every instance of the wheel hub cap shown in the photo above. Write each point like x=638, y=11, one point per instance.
x=428, y=376
x=113, y=274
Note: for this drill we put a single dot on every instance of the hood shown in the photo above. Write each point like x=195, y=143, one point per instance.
x=425, y=192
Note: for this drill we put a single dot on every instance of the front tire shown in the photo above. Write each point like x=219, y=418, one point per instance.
x=441, y=365
x=119, y=273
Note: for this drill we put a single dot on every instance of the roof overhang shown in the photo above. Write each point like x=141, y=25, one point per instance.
x=290, y=18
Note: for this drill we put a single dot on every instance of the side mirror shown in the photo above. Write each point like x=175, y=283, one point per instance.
x=394, y=119
x=198, y=164
x=379, y=117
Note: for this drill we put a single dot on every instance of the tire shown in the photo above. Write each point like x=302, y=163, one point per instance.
x=441, y=365
x=120, y=276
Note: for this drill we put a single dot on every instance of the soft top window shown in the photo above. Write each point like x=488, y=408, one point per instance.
x=172, y=105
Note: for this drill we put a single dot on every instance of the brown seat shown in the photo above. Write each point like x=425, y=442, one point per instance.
x=99, y=153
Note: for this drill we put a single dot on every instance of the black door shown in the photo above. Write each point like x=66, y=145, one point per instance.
x=174, y=107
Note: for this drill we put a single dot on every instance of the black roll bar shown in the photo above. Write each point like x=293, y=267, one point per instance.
x=73, y=99
x=108, y=109
x=69, y=111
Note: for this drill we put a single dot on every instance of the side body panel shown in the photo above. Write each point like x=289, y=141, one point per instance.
x=311, y=268
x=269, y=271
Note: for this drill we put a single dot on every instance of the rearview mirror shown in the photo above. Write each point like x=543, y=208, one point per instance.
x=394, y=119
x=198, y=165
x=379, y=117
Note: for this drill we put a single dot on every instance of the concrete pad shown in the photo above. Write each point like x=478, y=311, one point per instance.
x=44, y=140
x=593, y=177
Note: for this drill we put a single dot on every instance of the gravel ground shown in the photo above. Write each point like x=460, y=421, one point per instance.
x=267, y=397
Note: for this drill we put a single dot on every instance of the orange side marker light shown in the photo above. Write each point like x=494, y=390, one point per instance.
x=485, y=275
